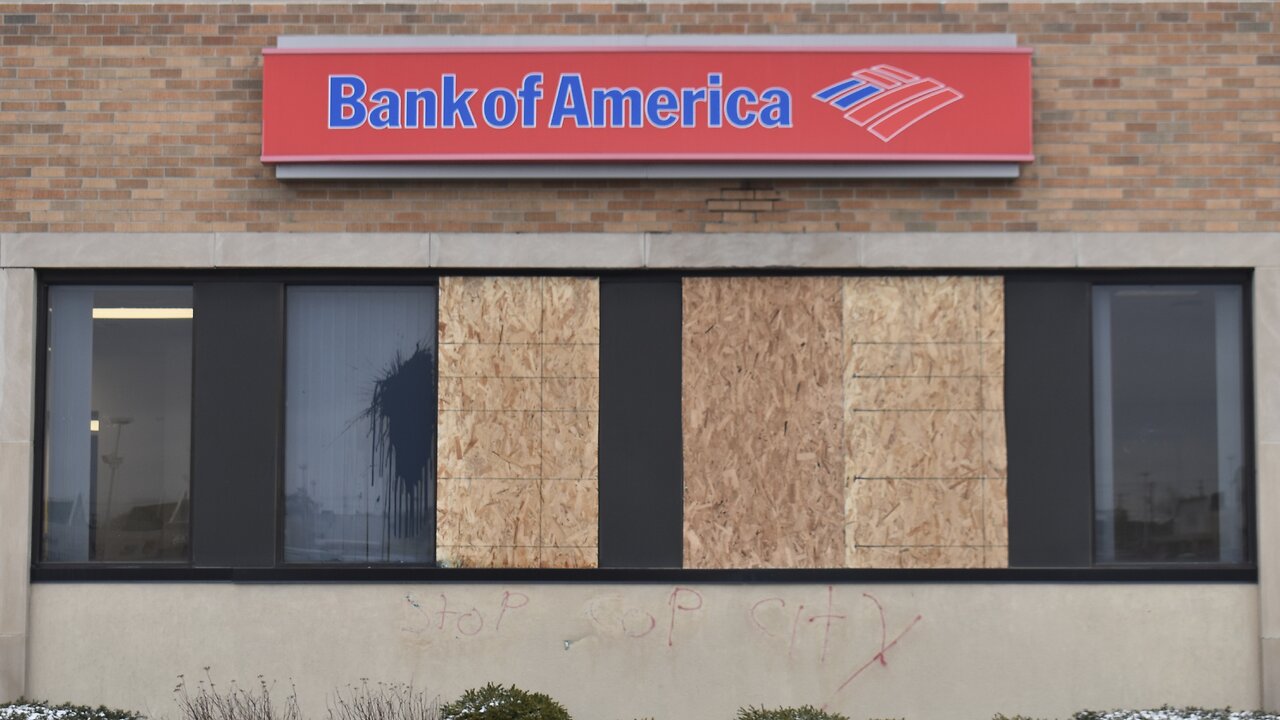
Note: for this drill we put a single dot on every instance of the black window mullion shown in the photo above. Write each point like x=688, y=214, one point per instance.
x=641, y=465
x=238, y=386
x=1049, y=412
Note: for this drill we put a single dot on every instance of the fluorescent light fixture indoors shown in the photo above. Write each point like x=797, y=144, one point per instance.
x=124, y=313
x=93, y=426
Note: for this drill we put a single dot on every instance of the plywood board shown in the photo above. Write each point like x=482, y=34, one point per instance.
x=916, y=393
x=762, y=402
x=491, y=394
x=992, y=359
x=914, y=444
x=872, y=359
x=994, y=445
x=569, y=557
x=918, y=557
x=991, y=309
x=571, y=311
x=490, y=361
x=993, y=393
x=917, y=512
x=924, y=421
x=912, y=309
x=569, y=361
x=489, y=556
x=570, y=512
x=570, y=445
x=995, y=556
x=519, y=410
x=487, y=444
x=480, y=513
x=995, y=511
x=490, y=310
x=570, y=393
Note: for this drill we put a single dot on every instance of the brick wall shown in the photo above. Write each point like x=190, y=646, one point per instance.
x=1148, y=117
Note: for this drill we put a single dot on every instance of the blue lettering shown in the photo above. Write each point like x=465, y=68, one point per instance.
x=615, y=107
x=689, y=105
x=386, y=113
x=499, y=108
x=529, y=93
x=352, y=105
x=457, y=105
x=715, y=108
x=738, y=117
x=661, y=108
x=420, y=108
x=777, y=109
x=345, y=108
x=570, y=102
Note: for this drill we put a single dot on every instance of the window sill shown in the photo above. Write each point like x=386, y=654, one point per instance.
x=350, y=573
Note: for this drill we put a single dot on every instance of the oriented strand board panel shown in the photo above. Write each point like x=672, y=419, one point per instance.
x=762, y=415
x=924, y=422
x=518, y=422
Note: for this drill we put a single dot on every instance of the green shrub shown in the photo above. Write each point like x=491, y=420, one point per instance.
x=32, y=710
x=807, y=712
x=495, y=702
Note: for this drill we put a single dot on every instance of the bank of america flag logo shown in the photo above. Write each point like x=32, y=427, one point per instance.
x=887, y=100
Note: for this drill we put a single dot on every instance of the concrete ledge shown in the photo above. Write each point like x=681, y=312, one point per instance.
x=970, y=250
x=538, y=250
x=322, y=250
x=1217, y=249
x=586, y=251
x=90, y=250
x=753, y=250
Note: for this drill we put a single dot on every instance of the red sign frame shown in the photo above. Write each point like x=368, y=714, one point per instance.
x=646, y=104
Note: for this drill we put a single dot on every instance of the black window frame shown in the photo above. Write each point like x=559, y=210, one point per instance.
x=418, y=279
x=269, y=560
x=40, y=426
x=618, y=392
x=1050, y=411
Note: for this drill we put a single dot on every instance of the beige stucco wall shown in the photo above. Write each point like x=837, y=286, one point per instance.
x=614, y=652
x=977, y=648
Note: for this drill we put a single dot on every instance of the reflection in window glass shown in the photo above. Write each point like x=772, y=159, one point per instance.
x=360, y=411
x=1169, y=424
x=118, y=427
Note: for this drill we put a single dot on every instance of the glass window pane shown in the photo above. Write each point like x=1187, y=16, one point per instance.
x=1168, y=424
x=360, y=408
x=118, y=426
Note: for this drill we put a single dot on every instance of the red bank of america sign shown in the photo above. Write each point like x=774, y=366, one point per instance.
x=646, y=104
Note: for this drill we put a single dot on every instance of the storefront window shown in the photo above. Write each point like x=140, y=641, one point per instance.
x=118, y=424
x=1168, y=424
x=360, y=407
